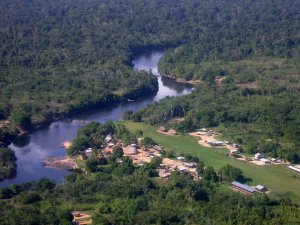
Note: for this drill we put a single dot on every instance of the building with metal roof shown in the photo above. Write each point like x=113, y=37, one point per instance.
x=242, y=188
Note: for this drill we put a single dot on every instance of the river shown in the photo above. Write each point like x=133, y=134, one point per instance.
x=36, y=146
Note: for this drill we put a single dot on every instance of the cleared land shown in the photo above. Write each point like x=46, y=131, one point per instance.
x=277, y=178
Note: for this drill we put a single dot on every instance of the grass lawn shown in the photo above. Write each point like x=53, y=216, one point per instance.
x=274, y=177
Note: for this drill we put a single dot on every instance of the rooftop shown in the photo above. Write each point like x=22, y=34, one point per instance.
x=242, y=186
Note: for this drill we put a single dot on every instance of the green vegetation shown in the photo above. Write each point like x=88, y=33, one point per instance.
x=262, y=120
x=8, y=166
x=275, y=177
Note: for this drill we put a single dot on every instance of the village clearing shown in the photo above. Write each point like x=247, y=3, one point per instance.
x=277, y=178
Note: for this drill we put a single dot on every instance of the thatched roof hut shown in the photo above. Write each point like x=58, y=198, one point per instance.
x=162, y=174
x=157, y=148
x=129, y=150
x=171, y=131
x=162, y=129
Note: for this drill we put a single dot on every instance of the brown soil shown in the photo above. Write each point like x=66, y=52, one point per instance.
x=83, y=216
x=63, y=163
x=67, y=144
x=204, y=140
x=167, y=133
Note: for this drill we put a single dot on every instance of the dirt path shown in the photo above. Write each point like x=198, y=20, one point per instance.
x=205, y=139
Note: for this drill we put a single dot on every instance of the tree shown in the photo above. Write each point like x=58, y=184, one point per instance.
x=91, y=165
x=209, y=174
x=139, y=133
x=148, y=142
x=200, y=168
x=118, y=152
x=230, y=173
x=44, y=184
x=64, y=214
x=21, y=119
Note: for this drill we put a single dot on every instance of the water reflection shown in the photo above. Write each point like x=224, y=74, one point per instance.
x=31, y=149
x=22, y=141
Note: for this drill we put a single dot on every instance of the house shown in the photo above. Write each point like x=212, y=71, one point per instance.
x=242, y=188
x=181, y=158
x=260, y=188
x=209, y=133
x=200, y=133
x=226, y=142
x=7, y=122
x=189, y=165
x=108, y=138
x=129, y=150
x=158, y=155
x=140, y=139
x=133, y=145
x=89, y=150
x=157, y=148
x=162, y=129
x=218, y=143
x=265, y=161
x=172, y=132
x=174, y=167
x=233, y=151
x=110, y=145
x=248, y=159
x=182, y=169
x=294, y=169
x=258, y=156
x=203, y=129
x=235, y=145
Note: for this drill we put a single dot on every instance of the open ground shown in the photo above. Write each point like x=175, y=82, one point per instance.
x=277, y=178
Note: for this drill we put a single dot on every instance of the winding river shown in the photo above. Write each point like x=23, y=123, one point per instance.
x=34, y=147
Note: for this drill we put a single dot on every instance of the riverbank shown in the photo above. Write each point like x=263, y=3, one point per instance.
x=62, y=163
x=180, y=80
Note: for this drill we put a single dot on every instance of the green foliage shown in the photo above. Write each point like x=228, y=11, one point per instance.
x=148, y=142
x=65, y=215
x=91, y=165
x=118, y=152
x=44, y=184
x=73, y=177
x=156, y=161
x=230, y=173
x=209, y=174
x=21, y=119
x=200, y=168
x=125, y=168
x=29, y=198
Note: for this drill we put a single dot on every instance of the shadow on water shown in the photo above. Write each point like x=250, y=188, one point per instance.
x=22, y=141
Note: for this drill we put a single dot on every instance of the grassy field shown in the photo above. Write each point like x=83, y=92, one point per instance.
x=274, y=177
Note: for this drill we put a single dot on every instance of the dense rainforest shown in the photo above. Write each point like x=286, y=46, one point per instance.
x=252, y=40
